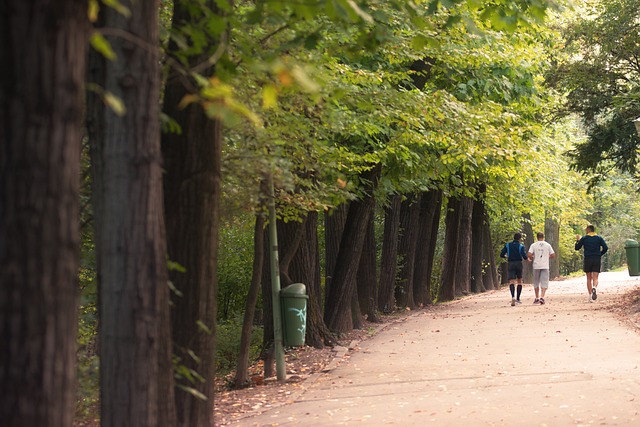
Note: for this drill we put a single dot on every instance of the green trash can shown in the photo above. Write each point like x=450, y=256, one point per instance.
x=632, y=248
x=293, y=303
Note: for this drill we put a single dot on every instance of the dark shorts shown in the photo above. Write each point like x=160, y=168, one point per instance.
x=591, y=264
x=515, y=270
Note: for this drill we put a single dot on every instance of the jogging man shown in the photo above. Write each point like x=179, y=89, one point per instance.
x=540, y=253
x=514, y=253
x=594, y=248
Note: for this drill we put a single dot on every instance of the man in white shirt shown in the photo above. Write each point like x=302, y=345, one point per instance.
x=540, y=253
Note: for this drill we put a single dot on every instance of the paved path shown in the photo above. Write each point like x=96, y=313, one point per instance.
x=480, y=362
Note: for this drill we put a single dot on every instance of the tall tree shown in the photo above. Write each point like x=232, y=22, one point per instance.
x=447, y=289
x=367, y=289
x=478, y=261
x=192, y=193
x=242, y=368
x=40, y=135
x=389, y=258
x=599, y=73
x=135, y=370
x=528, y=239
x=343, y=287
x=409, y=216
x=305, y=268
x=429, y=223
x=463, y=255
x=552, y=235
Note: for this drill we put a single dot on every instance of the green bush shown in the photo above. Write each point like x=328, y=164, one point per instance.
x=228, y=344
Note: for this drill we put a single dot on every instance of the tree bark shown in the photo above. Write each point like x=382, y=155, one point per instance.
x=130, y=234
x=192, y=208
x=306, y=269
x=527, y=241
x=478, y=262
x=429, y=222
x=389, y=258
x=447, y=290
x=268, y=350
x=334, y=221
x=40, y=135
x=463, y=255
x=366, y=278
x=343, y=287
x=242, y=370
x=490, y=277
x=409, y=215
x=552, y=235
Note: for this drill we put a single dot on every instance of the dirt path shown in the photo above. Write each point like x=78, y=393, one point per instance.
x=482, y=362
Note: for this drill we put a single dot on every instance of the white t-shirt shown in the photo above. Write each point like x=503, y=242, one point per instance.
x=541, y=251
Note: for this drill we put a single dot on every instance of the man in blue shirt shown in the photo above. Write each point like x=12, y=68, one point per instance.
x=594, y=248
x=515, y=253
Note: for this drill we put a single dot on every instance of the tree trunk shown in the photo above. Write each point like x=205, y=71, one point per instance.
x=490, y=273
x=367, y=290
x=447, y=290
x=130, y=234
x=343, y=286
x=268, y=350
x=527, y=241
x=463, y=255
x=192, y=194
x=478, y=262
x=334, y=221
x=409, y=215
x=242, y=370
x=490, y=278
x=300, y=264
x=389, y=258
x=40, y=122
x=552, y=236
x=429, y=222
x=306, y=269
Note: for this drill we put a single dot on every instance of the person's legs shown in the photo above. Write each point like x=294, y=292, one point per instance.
x=589, y=282
x=594, y=284
x=518, y=274
x=536, y=284
x=594, y=279
x=512, y=281
x=544, y=283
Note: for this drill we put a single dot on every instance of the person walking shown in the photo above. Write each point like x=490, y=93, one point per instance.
x=540, y=253
x=594, y=248
x=514, y=253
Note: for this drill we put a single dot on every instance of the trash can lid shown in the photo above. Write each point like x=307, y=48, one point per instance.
x=296, y=290
x=631, y=243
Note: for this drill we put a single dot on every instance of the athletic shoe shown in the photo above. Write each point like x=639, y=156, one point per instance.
x=594, y=295
x=541, y=301
x=513, y=302
x=518, y=301
x=536, y=301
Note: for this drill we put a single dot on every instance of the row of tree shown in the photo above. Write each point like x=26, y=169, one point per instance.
x=416, y=108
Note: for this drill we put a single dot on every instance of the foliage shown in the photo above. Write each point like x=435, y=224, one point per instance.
x=235, y=261
x=599, y=74
x=228, y=344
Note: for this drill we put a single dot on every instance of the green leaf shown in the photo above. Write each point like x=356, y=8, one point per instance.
x=192, y=391
x=269, y=97
x=102, y=45
x=119, y=7
x=203, y=327
x=115, y=103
